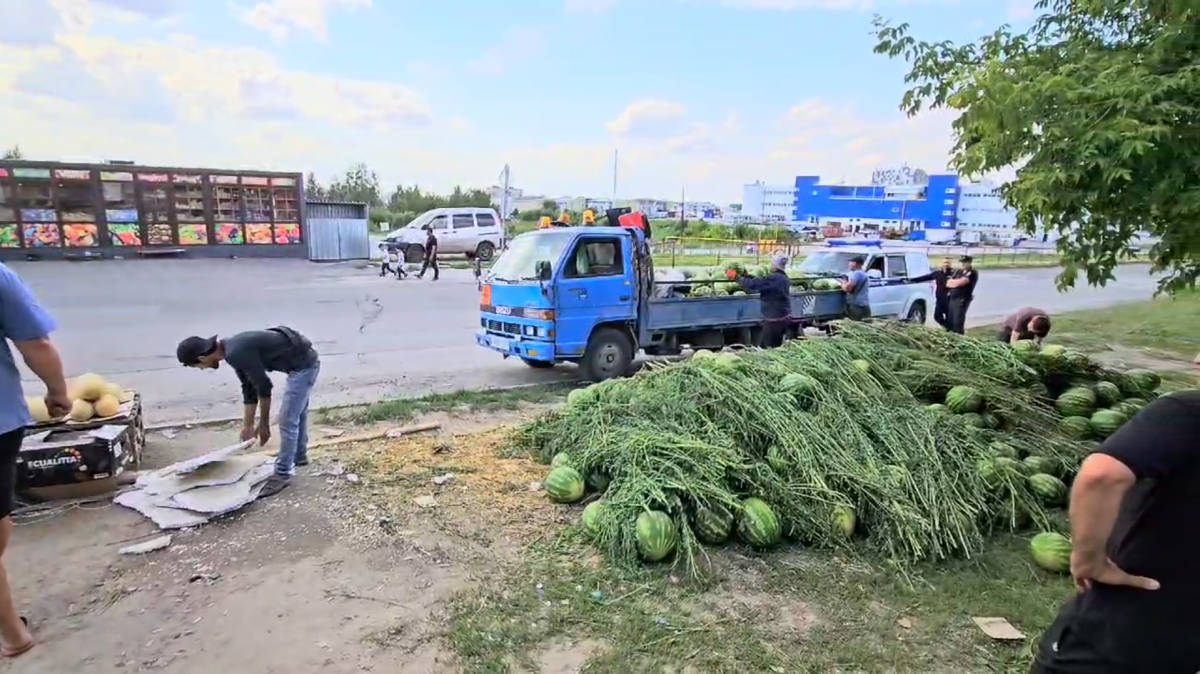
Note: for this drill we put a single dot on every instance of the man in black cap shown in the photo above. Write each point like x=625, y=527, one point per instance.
x=252, y=355
x=941, y=298
x=960, y=290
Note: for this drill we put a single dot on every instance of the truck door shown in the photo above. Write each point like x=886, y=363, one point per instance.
x=879, y=296
x=895, y=270
x=595, y=285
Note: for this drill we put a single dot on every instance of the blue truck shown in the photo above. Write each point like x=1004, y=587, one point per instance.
x=589, y=295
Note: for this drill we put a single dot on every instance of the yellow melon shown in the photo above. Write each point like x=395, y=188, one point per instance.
x=107, y=406
x=37, y=409
x=88, y=387
x=112, y=389
x=82, y=410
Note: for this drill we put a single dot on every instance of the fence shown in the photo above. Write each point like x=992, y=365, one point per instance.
x=337, y=231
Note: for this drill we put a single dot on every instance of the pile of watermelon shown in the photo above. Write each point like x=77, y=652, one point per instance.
x=906, y=442
x=717, y=281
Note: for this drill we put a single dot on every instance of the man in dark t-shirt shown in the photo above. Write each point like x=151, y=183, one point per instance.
x=939, y=276
x=431, y=251
x=1135, y=558
x=960, y=291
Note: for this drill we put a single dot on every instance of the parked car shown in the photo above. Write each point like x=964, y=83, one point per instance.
x=888, y=268
x=473, y=232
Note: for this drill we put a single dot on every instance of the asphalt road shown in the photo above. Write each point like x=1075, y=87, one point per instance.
x=377, y=337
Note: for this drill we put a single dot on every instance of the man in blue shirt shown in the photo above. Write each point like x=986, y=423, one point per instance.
x=857, y=286
x=27, y=325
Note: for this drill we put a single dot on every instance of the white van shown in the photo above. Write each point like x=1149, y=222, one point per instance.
x=470, y=231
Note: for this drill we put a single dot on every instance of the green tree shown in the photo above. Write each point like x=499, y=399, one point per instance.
x=1096, y=105
x=13, y=152
x=413, y=199
x=359, y=184
x=312, y=189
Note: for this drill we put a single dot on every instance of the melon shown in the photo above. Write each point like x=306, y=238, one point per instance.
x=1025, y=346
x=1106, y=422
x=1078, y=401
x=759, y=525
x=991, y=421
x=937, y=408
x=703, y=354
x=564, y=485
x=1144, y=381
x=113, y=389
x=1051, y=551
x=998, y=470
x=1048, y=488
x=803, y=387
x=656, y=535
x=591, y=518
x=1040, y=464
x=598, y=481
x=1127, y=407
x=576, y=396
x=560, y=459
x=1054, y=350
x=81, y=410
x=861, y=365
x=712, y=524
x=963, y=399
x=1107, y=393
x=1002, y=449
x=88, y=387
x=1076, y=428
x=974, y=420
x=845, y=520
x=777, y=460
x=107, y=406
x=37, y=409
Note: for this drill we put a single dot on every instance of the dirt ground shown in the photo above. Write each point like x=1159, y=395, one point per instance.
x=318, y=578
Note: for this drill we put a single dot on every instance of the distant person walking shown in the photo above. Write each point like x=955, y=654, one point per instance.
x=252, y=355
x=941, y=300
x=960, y=291
x=431, y=251
x=858, y=291
x=27, y=325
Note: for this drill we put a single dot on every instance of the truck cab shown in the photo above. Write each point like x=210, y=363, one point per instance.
x=889, y=270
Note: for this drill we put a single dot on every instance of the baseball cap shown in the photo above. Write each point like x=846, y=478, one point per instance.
x=192, y=349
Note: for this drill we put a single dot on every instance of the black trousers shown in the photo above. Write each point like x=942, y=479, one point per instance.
x=10, y=447
x=957, y=309
x=773, y=333
x=857, y=313
x=429, y=263
x=941, y=311
x=1082, y=643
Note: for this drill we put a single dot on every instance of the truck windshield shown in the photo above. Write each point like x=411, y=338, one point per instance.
x=827, y=262
x=519, y=262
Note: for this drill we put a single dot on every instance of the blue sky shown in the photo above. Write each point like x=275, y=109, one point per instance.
x=698, y=94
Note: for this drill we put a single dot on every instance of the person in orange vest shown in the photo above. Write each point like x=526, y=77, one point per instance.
x=544, y=222
x=589, y=217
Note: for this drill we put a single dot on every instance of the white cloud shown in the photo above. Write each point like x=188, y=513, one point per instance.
x=282, y=18
x=650, y=118
x=517, y=45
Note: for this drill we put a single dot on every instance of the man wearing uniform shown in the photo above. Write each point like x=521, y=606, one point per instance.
x=960, y=291
x=941, y=300
x=252, y=355
x=1134, y=508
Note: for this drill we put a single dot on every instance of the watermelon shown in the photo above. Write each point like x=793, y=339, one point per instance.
x=1051, y=551
x=759, y=525
x=826, y=284
x=974, y=420
x=997, y=470
x=656, y=535
x=991, y=421
x=1048, y=488
x=1014, y=518
x=703, y=354
x=560, y=459
x=844, y=519
x=598, y=481
x=591, y=517
x=712, y=524
x=1053, y=350
x=1040, y=464
x=1076, y=359
x=963, y=399
x=937, y=407
x=1129, y=407
x=777, y=460
x=1106, y=422
x=577, y=396
x=1078, y=401
x=1107, y=393
x=1002, y=449
x=1026, y=346
x=1076, y=428
x=863, y=366
x=802, y=386
x=1144, y=381
x=564, y=484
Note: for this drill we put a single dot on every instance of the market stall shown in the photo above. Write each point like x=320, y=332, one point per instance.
x=54, y=210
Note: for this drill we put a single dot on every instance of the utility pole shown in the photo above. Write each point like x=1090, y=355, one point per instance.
x=682, y=208
x=505, y=176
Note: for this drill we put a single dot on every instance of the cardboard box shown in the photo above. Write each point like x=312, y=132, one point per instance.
x=70, y=453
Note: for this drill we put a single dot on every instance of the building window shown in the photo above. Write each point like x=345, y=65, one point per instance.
x=948, y=202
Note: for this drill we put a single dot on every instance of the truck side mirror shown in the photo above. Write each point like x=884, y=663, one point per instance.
x=543, y=270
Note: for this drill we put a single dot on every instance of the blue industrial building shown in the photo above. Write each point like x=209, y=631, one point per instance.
x=927, y=211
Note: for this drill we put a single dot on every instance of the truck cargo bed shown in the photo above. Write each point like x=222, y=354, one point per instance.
x=676, y=313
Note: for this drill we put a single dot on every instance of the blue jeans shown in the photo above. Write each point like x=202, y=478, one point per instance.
x=293, y=419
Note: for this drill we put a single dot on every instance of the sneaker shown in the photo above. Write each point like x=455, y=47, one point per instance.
x=274, y=485
x=301, y=463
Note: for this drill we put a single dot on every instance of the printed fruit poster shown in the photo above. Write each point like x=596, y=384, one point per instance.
x=124, y=234
x=41, y=236
x=81, y=236
x=287, y=232
x=8, y=237
x=229, y=232
x=193, y=235
x=258, y=233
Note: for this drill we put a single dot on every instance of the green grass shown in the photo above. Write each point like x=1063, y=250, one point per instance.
x=789, y=611
x=406, y=409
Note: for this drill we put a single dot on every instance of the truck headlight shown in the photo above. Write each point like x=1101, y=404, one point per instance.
x=535, y=331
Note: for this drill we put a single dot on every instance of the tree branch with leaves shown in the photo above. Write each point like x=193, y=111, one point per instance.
x=1097, y=107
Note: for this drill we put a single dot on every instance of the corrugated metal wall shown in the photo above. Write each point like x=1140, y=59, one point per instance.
x=337, y=231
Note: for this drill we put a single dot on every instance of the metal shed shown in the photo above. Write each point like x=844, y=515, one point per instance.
x=337, y=231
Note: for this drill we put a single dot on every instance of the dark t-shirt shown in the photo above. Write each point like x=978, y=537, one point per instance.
x=1157, y=535
x=966, y=292
x=431, y=243
x=255, y=353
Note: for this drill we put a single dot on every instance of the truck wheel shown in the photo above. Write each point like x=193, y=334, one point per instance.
x=608, y=355
x=916, y=313
x=485, y=251
x=414, y=254
x=538, y=364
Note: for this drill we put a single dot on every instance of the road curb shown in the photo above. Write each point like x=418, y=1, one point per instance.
x=217, y=421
